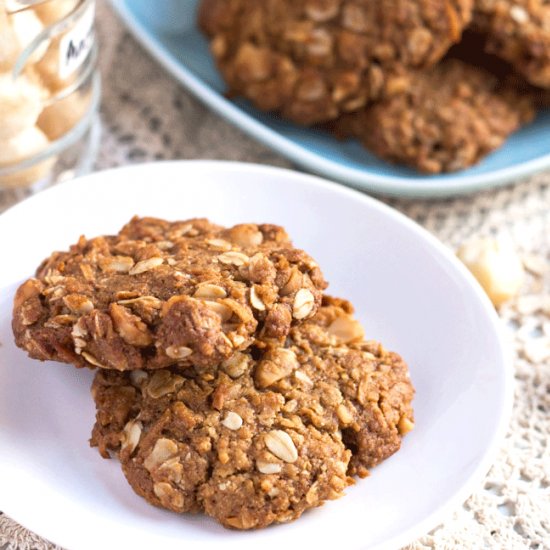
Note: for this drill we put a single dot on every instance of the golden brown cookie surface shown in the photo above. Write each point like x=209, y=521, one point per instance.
x=270, y=433
x=163, y=293
x=448, y=119
x=311, y=60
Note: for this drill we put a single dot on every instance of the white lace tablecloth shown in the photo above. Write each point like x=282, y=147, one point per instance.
x=147, y=116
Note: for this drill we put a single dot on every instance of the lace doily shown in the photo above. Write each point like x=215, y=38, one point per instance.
x=148, y=116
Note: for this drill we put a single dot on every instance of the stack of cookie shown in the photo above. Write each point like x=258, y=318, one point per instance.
x=385, y=72
x=227, y=382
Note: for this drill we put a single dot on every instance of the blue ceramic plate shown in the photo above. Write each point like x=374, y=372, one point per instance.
x=167, y=29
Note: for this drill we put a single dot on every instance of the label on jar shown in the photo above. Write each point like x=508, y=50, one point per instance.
x=75, y=46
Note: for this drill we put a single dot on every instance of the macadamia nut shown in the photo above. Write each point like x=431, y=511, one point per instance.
x=57, y=119
x=24, y=145
x=21, y=102
x=9, y=46
x=27, y=27
x=49, y=70
x=54, y=10
x=496, y=266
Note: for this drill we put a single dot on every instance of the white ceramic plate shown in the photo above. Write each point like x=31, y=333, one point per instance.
x=408, y=290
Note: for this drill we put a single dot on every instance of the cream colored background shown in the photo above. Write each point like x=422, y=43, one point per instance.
x=147, y=116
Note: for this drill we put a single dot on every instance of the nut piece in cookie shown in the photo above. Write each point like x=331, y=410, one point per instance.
x=266, y=435
x=166, y=293
x=448, y=119
x=312, y=60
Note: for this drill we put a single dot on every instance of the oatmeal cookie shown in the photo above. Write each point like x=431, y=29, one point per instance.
x=159, y=294
x=448, y=119
x=270, y=433
x=311, y=60
x=519, y=32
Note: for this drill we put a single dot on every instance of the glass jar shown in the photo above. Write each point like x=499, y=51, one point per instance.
x=49, y=94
